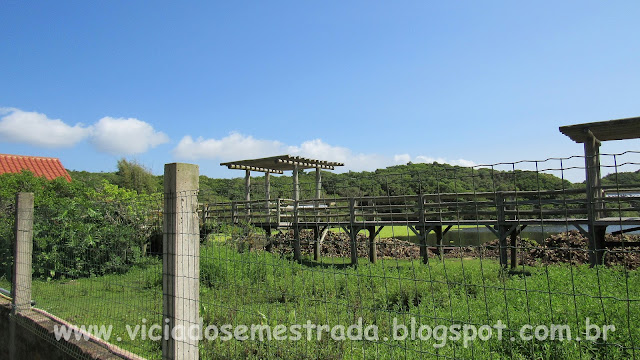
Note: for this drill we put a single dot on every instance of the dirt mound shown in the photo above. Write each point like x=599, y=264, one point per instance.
x=573, y=247
x=337, y=245
x=570, y=247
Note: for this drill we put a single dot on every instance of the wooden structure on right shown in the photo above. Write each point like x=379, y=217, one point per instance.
x=504, y=212
x=592, y=135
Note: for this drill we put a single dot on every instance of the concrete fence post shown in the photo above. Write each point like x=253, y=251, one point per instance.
x=181, y=262
x=21, y=275
x=22, y=252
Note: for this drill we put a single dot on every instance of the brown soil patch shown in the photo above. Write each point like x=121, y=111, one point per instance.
x=569, y=247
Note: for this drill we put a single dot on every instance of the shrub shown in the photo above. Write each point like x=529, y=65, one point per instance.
x=79, y=231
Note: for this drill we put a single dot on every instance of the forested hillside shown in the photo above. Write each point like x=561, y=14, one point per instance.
x=407, y=179
x=623, y=178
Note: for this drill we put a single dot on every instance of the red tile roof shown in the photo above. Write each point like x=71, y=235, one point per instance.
x=50, y=168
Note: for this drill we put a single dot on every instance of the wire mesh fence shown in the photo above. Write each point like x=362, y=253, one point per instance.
x=7, y=236
x=424, y=261
x=97, y=267
x=484, y=262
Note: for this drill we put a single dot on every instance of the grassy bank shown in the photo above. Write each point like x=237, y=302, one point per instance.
x=262, y=288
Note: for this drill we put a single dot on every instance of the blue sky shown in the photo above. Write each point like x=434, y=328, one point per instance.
x=368, y=83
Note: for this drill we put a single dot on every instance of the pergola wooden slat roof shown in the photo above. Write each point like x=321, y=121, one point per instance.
x=280, y=163
x=591, y=135
x=277, y=165
x=621, y=129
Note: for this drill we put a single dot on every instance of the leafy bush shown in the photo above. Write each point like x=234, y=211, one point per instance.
x=79, y=231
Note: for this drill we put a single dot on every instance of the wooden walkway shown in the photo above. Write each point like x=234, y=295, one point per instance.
x=506, y=214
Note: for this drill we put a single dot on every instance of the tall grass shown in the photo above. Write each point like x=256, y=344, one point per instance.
x=261, y=288
x=245, y=288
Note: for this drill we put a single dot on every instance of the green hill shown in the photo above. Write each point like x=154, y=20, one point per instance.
x=409, y=179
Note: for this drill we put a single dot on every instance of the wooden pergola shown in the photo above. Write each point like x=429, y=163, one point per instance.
x=278, y=165
x=592, y=135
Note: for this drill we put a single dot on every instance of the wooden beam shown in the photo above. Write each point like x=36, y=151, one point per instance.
x=304, y=164
x=254, y=168
x=620, y=129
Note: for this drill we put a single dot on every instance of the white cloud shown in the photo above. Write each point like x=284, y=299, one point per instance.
x=237, y=146
x=401, y=158
x=405, y=158
x=115, y=136
x=125, y=136
x=233, y=147
x=317, y=149
x=37, y=129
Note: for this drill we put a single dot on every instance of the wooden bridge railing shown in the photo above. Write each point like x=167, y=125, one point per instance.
x=478, y=207
x=505, y=213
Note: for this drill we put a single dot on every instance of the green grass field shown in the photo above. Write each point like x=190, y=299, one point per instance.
x=263, y=288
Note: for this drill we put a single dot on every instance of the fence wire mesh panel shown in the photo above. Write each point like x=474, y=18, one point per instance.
x=511, y=260
x=97, y=267
x=7, y=236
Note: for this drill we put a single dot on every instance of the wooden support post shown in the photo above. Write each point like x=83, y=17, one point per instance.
x=599, y=247
x=502, y=229
x=439, y=235
x=592, y=169
x=267, y=192
x=422, y=231
x=278, y=212
x=594, y=198
x=247, y=193
x=316, y=243
x=22, y=252
x=180, y=261
x=514, y=258
x=269, y=243
x=247, y=185
x=317, y=235
x=318, y=183
x=296, y=184
x=373, y=251
x=354, y=232
x=297, y=251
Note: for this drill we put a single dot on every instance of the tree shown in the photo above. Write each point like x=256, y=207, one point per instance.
x=133, y=176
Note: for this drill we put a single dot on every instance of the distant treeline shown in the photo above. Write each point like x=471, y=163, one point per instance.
x=409, y=179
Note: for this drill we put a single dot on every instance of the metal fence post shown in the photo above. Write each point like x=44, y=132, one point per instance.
x=22, y=252
x=181, y=262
